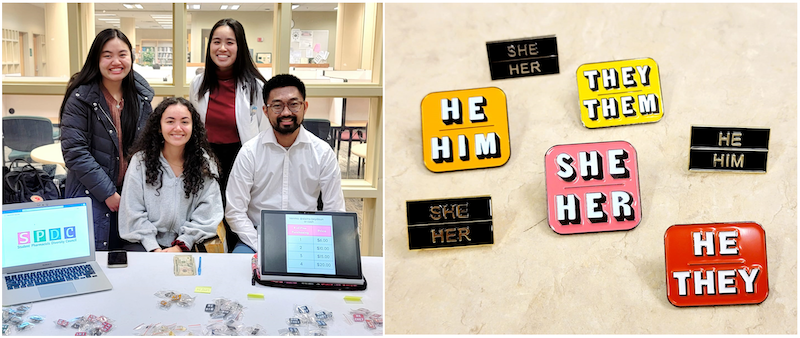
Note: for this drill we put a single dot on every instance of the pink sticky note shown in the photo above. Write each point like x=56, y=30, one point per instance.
x=317, y=48
x=592, y=187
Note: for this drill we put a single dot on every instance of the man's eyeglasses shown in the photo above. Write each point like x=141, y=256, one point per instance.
x=278, y=107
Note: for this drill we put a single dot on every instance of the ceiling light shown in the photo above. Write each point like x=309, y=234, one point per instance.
x=223, y=7
x=336, y=8
x=234, y=7
x=139, y=6
x=128, y=6
x=195, y=6
x=105, y=14
x=187, y=6
x=166, y=16
x=295, y=6
x=108, y=19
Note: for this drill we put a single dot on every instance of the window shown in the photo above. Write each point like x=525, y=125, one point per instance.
x=29, y=32
x=333, y=42
x=149, y=28
x=256, y=19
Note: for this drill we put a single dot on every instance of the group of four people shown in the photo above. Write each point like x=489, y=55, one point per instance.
x=162, y=180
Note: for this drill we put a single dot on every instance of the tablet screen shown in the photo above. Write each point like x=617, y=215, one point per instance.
x=309, y=244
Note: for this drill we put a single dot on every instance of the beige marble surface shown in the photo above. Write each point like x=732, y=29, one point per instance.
x=721, y=65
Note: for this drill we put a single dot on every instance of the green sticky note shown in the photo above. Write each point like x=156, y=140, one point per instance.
x=352, y=299
x=255, y=296
x=202, y=289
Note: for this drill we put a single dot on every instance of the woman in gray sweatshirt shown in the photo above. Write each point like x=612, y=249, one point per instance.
x=171, y=199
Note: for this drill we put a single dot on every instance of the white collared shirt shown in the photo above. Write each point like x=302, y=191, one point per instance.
x=266, y=175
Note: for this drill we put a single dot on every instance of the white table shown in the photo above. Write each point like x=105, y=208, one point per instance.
x=132, y=301
x=49, y=154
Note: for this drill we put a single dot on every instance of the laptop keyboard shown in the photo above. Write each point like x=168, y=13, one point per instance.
x=42, y=277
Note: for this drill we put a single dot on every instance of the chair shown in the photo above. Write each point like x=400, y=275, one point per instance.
x=216, y=244
x=321, y=128
x=351, y=134
x=24, y=133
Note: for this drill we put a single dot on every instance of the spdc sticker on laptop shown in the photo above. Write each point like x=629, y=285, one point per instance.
x=619, y=93
x=465, y=129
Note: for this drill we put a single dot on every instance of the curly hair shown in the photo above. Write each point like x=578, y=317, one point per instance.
x=151, y=142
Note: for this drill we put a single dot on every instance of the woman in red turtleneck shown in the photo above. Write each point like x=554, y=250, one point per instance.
x=227, y=95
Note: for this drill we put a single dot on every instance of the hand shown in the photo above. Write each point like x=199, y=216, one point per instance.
x=173, y=249
x=113, y=202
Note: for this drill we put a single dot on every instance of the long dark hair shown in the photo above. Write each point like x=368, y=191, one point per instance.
x=195, y=166
x=244, y=69
x=90, y=73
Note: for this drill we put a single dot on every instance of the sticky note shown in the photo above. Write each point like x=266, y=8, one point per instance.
x=255, y=296
x=202, y=289
x=352, y=299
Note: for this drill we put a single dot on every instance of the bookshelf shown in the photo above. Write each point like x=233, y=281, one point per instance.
x=162, y=50
x=11, y=56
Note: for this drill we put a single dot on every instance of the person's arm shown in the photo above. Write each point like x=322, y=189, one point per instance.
x=75, y=140
x=134, y=224
x=331, y=183
x=204, y=219
x=240, y=181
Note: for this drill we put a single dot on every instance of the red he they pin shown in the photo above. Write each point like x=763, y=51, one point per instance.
x=716, y=264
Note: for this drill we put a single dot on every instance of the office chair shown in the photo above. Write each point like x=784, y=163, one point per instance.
x=24, y=133
x=320, y=128
x=351, y=134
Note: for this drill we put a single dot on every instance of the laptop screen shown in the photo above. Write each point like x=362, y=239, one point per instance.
x=35, y=233
x=309, y=244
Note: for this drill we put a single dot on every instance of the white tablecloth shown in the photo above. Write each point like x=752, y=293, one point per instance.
x=132, y=301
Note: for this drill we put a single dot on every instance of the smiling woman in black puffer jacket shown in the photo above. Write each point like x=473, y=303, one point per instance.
x=105, y=107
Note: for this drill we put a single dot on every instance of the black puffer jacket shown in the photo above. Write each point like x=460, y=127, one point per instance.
x=90, y=146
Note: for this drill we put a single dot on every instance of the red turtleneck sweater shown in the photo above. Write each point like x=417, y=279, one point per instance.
x=221, y=113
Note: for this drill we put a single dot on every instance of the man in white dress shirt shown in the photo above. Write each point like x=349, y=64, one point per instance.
x=284, y=168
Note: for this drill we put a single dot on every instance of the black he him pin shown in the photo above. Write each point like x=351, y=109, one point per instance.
x=729, y=149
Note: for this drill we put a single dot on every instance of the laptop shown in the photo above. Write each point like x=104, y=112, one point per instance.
x=48, y=251
x=309, y=247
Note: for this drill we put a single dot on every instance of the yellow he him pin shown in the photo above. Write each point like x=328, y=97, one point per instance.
x=465, y=129
x=618, y=93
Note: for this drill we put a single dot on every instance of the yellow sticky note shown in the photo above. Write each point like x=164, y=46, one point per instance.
x=255, y=296
x=619, y=93
x=352, y=299
x=202, y=289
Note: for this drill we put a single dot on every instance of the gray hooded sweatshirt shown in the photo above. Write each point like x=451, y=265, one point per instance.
x=156, y=219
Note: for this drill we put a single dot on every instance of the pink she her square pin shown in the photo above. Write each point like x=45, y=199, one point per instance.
x=592, y=187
